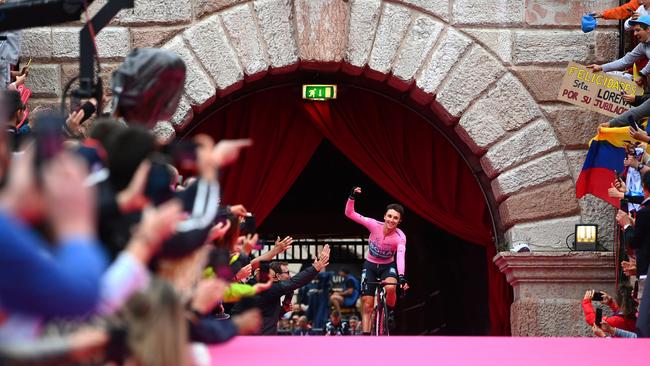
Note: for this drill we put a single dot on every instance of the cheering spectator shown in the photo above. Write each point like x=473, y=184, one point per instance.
x=284, y=285
x=642, y=34
x=641, y=10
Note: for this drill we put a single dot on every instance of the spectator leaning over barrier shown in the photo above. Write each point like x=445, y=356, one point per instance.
x=642, y=33
x=640, y=110
x=620, y=12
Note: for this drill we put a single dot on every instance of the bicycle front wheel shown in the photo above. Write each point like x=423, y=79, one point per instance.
x=378, y=321
x=384, y=322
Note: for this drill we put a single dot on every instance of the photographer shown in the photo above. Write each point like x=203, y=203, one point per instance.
x=624, y=308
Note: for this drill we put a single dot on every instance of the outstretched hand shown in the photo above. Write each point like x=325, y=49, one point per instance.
x=629, y=267
x=623, y=218
x=226, y=152
x=249, y=242
x=323, y=258
x=238, y=210
x=606, y=298
x=281, y=245
x=613, y=192
x=263, y=286
x=156, y=226
x=218, y=231
x=244, y=272
x=595, y=68
x=132, y=198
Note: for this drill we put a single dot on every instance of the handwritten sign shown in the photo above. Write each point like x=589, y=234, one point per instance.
x=596, y=91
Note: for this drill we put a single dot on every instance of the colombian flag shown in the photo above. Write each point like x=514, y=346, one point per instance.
x=605, y=157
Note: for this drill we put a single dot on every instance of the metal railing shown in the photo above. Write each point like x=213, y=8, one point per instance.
x=342, y=250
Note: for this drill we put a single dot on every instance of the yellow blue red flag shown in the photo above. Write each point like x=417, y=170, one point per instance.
x=605, y=157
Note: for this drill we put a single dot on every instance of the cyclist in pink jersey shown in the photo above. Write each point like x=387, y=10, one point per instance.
x=385, y=243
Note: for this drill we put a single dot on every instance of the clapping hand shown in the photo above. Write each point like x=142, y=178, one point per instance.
x=623, y=218
x=629, y=267
x=323, y=258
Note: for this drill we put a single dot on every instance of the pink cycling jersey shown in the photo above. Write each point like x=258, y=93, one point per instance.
x=382, y=249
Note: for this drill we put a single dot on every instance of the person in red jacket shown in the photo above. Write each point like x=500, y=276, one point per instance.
x=620, y=12
x=624, y=316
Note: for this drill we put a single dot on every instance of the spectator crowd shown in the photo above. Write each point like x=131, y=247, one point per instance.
x=115, y=247
x=630, y=308
x=108, y=255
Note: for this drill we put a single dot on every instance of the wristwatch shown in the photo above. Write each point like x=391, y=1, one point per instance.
x=640, y=166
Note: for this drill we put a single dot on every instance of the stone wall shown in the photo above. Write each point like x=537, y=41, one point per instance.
x=495, y=66
x=549, y=288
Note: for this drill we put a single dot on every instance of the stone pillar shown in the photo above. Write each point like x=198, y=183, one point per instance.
x=549, y=287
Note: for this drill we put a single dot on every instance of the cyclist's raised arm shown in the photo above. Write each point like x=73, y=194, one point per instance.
x=351, y=213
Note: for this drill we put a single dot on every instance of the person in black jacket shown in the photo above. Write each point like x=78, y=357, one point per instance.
x=284, y=285
x=638, y=238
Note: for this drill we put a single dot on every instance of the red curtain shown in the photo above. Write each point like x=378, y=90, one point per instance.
x=284, y=141
x=392, y=145
x=405, y=156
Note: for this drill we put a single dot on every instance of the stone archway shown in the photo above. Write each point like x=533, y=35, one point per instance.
x=494, y=66
x=409, y=46
x=491, y=68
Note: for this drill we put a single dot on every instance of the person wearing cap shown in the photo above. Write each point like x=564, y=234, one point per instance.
x=642, y=34
x=640, y=11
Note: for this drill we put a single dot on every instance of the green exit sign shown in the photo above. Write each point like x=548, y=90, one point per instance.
x=319, y=92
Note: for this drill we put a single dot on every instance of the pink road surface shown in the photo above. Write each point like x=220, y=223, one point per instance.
x=407, y=351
